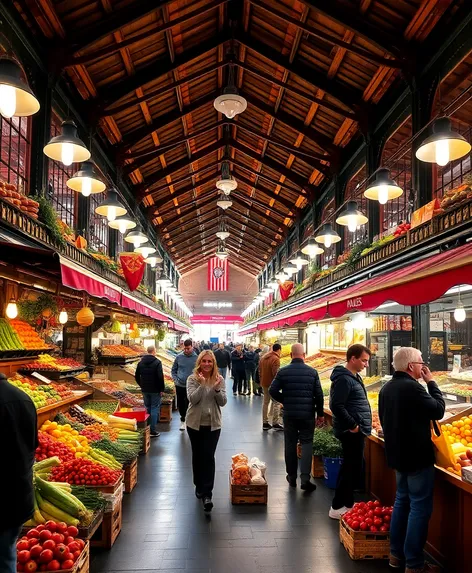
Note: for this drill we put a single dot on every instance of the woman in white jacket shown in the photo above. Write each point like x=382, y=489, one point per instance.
x=206, y=393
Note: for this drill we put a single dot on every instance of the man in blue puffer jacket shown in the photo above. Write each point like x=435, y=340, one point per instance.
x=352, y=422
x=297, y=386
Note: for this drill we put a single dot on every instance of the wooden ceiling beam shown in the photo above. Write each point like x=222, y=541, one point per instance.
x=155, y=71
x=250, y=203
x=267, y=193
x=129, y=41
x=329, y=38
x=262, y=205
x=243, y=220
x=314, y=78
x=162, y=202
x=265, y=177
x=184, y=209
x=353, y=20
x=208, y=231
x=141, y=189
x=261, y=219
x=198, y=171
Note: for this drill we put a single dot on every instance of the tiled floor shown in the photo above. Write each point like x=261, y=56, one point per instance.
x=165, y=530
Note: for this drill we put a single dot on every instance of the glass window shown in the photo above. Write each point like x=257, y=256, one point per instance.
x=355, y=192
x=15, y=144
x=328, y=258
x=63, y=199
x=98, y=226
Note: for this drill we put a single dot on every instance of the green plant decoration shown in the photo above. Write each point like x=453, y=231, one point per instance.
x=31, y=310
x=161, y=334
x=326, y=444
x=48, y=215
x=356, y=253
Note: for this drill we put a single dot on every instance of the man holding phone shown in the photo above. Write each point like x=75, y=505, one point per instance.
x=406, y=410
x=352, y=422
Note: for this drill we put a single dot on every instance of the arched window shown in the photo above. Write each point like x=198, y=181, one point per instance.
x=15, y=149
x=63, y=199
x=397, y=210
x=355, y=192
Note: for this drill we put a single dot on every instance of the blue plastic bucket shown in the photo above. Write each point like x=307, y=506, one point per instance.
x=331, y=471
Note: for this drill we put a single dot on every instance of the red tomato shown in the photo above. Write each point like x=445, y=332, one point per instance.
x=384, y=528
x=32, y=533
x=376, y=503
x=31, y=566
x=20, y=567
x=36, y=551
x=53, y=566
x=387, y=518
x=45, y=534
x=22, y=545
x=370, y=504
x=355, y=525
x=46, y=556
x=51, y=525
x=33, y=541
x=369, y=521
x=68, y=564
x=23, y=556
x=72, y=531
x=364, y=526
x=371, y=513
x=373, y=528
x=377, y=522
x=378, y=511
x=49, y=544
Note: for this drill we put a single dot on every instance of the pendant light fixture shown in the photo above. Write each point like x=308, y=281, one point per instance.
x=12, y=309
x=145, y=250
x=122, y=223
x=16, y=97
x=312, y=249
x=226, y=183
x=290, y=269
x=273, y=283
x=327, y=236
x=136, y=237
x=223, y=202
x=383, y=188
x=443, y=145
x=221, y=252
x=351, y=217
x=111, y=207
x=153, y=261
x=299, y=261
x=459, y=312
x=282, y=276
x=86, y=180
x=67, y=147
x=222, y=232
x=162, y=280
x=63, y=316
x=230, y=103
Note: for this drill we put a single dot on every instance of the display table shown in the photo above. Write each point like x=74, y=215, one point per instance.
x=450, y=527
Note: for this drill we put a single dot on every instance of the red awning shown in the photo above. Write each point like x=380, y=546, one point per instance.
x=131, y=303
x=214, y=319
x=418, y=283
x=80, y=279
x=247, y=331
x=313, y=310
x=179, y=327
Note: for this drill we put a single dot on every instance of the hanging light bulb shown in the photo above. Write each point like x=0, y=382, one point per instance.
x=153, y=261
x=16, y=97
x=122, y=224
x=351, y=217
x=383, y=188
x=63, y=316
x=290, y=269
x=224, y=202
x=226, y=183
x=12, y=309
x=327, y=236
x=145, y=249
x=221, y=252
x=86, y=180
x=299, y=261
x=312, y=249
x=136, y=237
x=443, y=145
x=222, y=232
x=111, y=207
x=67, y=147
x=459, y=311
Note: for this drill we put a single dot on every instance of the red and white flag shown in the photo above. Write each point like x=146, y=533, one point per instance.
x=218, y=274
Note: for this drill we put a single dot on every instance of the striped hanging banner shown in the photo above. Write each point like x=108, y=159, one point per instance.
x=218, y=274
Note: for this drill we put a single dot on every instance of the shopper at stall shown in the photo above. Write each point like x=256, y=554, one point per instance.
x=406, y=410
x=150, y=378
x=223, y=360
x=238, y=369
x=183, y=366
x=257, y=378
x=250, y=361
x=269, y=365
x=297, y=386
x=352, y=422
x=18, y=442
x=206, y=392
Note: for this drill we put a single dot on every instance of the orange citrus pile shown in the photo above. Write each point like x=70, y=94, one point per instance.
x=459, y=431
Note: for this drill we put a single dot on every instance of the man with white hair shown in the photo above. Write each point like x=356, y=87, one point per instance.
x=297, y=386
x=406, y=410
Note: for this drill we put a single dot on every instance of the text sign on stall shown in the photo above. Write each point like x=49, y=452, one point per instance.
x=354, y=302
x=41, y=377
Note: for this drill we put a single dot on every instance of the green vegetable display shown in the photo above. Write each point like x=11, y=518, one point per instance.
x=103, y=406
x=125, y=454
x=8, y=338
x=61, y=419
x=90, y=497
x=326, y=444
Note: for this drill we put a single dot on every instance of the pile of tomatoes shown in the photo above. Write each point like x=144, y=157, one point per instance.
x=84, y=472
x=49, y=447
x=49, y=547
x=369, y=516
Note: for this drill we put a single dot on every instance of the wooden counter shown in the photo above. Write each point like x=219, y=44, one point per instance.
x=450, y=527
x=51, y=411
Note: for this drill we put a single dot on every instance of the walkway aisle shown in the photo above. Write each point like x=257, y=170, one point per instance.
x=164, y=528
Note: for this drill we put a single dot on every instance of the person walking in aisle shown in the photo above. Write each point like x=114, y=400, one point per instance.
x=18, y=428
x=149, y=377
x=257, y=378
x=250, y=360
x=406, y=410
x=238, y=369
x=206, y=392
x=297, y=386
x=183, y=366
x=352, y=422
x=269, y=365
x=223, y=360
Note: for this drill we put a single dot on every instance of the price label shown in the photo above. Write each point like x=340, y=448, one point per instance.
x=79, y=408
x=451, y=397
x=41, y=377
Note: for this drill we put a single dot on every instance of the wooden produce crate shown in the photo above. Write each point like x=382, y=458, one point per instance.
x=88, y=532
x=247, y=494
x=110, y=528
x=165, y=415
x=82, y=565
x=111, y=489
x=363, y=544
x=146, y=440
x=131, y=475
x=317, y=467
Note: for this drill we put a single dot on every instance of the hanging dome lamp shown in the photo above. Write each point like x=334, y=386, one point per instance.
x=226, y=183
x=383, y=188
x=327, y=236
x=16, y=97
x=230, y=103
x=111, y=207
x=86, y=180
x=122, y=223
x=136, y=237
x=223, y=202
x=351, y=217
x=67, y=147
x=443, y=145
x=312, y=249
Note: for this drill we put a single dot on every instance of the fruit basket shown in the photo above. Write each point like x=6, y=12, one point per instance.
x=364, y=544
x=247, y=494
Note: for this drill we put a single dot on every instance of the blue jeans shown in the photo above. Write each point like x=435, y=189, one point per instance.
x=411, y=512
x=223, y=371
x=8, y=549
x=152, y=401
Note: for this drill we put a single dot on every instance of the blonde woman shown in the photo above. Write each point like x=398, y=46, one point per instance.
x=206, y=393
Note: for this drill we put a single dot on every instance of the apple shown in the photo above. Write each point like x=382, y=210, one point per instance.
x=68, y=564
x=45, y=534
x=23, y=556
x=73, y=546
x=81, y=543
x=35, y=551
x=72, y=531
x=51, y=525
x=61, y=527
x=355, y=525
x=20, y=567
x=49, y=544
x=60, y=552
x=33, y=541
x=31, y=566
x=77, y=554
x=57, y=538
x=40, y=527
x=22, y=545
x=363, y=526
x=54, y=565
x=68, y=539
x=46, y=556
x=32, y=533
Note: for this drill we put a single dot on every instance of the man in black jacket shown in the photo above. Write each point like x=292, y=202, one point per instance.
x=150, y=378
x=19, y=440
x=406, y=410
x=223, y=360
x=250, y=361
x=352, y=422
x=297, y=386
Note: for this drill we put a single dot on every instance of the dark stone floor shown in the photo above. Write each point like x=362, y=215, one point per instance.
x=165, y=530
